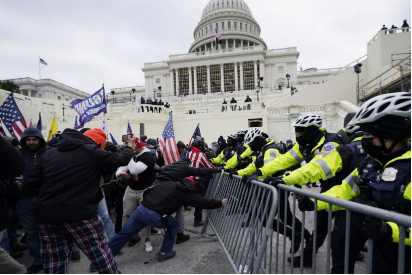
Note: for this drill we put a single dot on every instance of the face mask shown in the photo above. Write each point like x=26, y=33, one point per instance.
x=370, y=149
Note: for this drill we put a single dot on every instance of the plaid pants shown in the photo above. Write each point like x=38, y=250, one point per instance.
x=56, y=241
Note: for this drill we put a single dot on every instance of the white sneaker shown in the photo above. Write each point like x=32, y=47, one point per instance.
x=148, y=247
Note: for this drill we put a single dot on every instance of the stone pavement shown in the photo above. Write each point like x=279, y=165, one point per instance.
x=198, y=255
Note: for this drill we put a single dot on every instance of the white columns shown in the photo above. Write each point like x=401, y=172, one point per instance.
x=177, y=82
x=29, y=93
x=170, y=86
x=241, y=76
x=227, y=44
x=147, y=86
x=241, y=43
x=255, y=73
x=208, y=78
x=222, y=77
x=190, y=80
x=195, y=79
x=236, y=78
x=262, y=70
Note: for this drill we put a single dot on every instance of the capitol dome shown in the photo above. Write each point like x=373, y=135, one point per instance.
x=234, y=20
x=216, y=5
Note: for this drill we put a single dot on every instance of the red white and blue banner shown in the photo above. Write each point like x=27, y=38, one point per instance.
x=90, y=107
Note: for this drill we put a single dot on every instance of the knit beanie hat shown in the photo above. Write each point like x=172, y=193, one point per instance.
x=98, y=136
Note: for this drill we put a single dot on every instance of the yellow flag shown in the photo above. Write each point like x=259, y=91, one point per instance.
x=53, y=129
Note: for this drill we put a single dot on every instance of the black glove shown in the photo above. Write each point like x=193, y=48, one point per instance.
x=248, y=179
x=274, y=181
x=306, y=204
x=231, y=173
x=376, y=229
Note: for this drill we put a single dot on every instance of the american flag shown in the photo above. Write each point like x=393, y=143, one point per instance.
x=11, y=119
x=43, y=62
x=196, y=135
x=168, y=143
x=129, y=129
x=39, y=123
x=218, y=35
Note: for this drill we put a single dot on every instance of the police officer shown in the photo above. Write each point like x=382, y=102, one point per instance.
x=244, y=155
x=384, y=177
x=228, y=152
x=266, y=153
x=313, y=142
x=348, y=158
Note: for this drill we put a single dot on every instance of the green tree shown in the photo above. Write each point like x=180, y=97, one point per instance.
x=9, y=86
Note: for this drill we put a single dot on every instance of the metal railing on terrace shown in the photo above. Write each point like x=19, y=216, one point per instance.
x=398, y=73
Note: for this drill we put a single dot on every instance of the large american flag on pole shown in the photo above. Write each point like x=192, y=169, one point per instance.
x=11, y=119
x=196, y=135
x=168, y=143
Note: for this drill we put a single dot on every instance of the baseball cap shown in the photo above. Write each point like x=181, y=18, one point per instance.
x=139, y=143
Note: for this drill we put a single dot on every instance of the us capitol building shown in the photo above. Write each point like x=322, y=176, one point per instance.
x=196, y=83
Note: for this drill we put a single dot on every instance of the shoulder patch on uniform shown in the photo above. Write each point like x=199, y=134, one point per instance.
x=329, y=147
x=273, y=154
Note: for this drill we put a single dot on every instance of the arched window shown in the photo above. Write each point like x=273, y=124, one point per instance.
x=240, y=26
x=211, y=28
x=235, y=25
x=223, y=26
x=223, y=3
x=217, y=26
x=245, y=27
x=218, y=4
x=250, y=29
x=229, y=27
x=206, y=30
x=202, y=32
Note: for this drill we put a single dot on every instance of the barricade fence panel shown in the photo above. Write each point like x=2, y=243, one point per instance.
x=244, y=228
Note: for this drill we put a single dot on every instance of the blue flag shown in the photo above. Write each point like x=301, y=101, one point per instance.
x=90, y=107
x=113, y=140
x=75, y=123
x=39, y=123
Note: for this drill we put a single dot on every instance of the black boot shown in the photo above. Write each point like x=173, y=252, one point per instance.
x=182, y=238
x=298, y=239
x=307, y=259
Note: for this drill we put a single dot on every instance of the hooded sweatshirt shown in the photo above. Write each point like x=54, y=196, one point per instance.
x=181, y=169
x=68, y=178
x=168, y=197
x=31, y=158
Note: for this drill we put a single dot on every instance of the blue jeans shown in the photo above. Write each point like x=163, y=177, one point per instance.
x=108, y=224
x=141, y=218
x=4, y=241
x=26, y=208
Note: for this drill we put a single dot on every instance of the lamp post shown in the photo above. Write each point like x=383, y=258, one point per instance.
x=154, y=94
x=63, y=107
x=160, y=89
x=213, y=84
x=113, y=92
x=288, y=77
x=232, y=83
x=185, y=86
x=259, y=88
x=204, y=88
x=133, y=90
x=178, y=89
x=358, y=70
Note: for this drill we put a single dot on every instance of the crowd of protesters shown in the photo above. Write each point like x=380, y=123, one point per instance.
x=63, y=193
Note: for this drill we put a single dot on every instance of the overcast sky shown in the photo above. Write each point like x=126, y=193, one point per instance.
x=87, y=43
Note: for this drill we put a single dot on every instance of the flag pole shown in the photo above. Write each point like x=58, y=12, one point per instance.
x=39, y=69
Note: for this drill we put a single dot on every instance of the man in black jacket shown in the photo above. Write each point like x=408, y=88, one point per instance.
x=159, y=203
x=33, y=147
x=10, y=167
x=177, y=171
x=68, y=179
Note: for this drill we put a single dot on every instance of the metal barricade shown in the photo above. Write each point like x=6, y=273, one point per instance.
x=403, y=221
x=244, y=226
